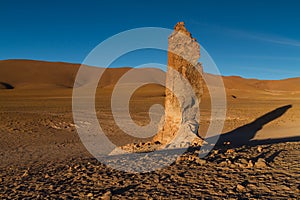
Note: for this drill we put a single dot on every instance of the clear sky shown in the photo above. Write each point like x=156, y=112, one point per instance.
x=254, y=39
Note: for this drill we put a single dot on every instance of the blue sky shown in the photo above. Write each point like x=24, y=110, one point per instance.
x=253, y=39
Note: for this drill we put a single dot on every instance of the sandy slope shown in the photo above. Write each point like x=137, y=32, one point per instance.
x=39, y=74
x=29, y=74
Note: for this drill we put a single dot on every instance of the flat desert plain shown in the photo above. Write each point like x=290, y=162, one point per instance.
x=43, y=157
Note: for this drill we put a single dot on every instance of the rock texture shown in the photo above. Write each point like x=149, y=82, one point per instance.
x=184, y=88
x=221, y=175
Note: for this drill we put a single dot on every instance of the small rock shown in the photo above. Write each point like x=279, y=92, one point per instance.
x=191, y=158
x=25, y=173
x=251, y=186
x=90, y=195
x=250, y=164
x=229, y=151
x=283, y=188
x=200, y=161
x=179, y=159
x=240, y=188
x=215, y=152
x=197, y=142
x=106, y=196
x=264, y=188
x=261, y=163
x=232, y=166
x=223, y=163
x=231, y=192
x=243, y=161
x=259, y=149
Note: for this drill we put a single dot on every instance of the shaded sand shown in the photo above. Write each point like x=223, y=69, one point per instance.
x=42, y=155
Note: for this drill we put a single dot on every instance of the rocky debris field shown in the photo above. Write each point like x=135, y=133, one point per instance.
x=264, y=172
x=42, y=156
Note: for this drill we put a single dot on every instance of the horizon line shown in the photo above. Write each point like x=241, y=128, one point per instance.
x=78, y=63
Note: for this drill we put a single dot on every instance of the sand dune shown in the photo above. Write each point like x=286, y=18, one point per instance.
x=29, y=74
x=20, y=74
x=37, y=74
x=236, y=82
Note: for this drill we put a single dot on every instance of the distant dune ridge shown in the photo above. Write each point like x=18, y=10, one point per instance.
x=31, y=74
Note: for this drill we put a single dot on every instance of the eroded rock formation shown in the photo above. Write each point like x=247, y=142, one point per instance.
x=184, y=79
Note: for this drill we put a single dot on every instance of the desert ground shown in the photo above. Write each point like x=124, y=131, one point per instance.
x=43, y=157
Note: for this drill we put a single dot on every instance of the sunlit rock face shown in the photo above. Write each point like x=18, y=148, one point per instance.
x=184, y=77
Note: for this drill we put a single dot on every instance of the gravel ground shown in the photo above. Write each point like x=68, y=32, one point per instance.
x=264, y=172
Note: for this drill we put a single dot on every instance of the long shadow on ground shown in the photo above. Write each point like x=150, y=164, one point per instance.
x=240, y=137
x=244, y=135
